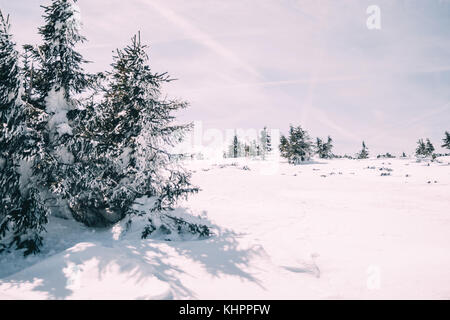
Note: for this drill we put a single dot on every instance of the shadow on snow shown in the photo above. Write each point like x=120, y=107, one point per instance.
x=135, y=261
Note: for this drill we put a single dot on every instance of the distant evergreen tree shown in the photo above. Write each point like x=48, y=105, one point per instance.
x=364, y=153
x=235, y=146
x=446, y=140
x=429, y=148
x=250, y=148
x=22, y=211
x=298, y=147
x=421, y=149
x=301, y=147
x=284, y=147
x=246, y=150
x=329, y=147
x=424, y=149
x=253, y=148
x=323, y=149
x=268, y=140
x=265, y=145
x=320, y=147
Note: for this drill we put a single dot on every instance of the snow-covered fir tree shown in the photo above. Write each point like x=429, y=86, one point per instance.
x=240, y=148
x=265, y=143
x=88, y=159
x=429, y=148
x=297, y=147
x=259, y=147
x=235, y=146
x=233, y=150
x=127, y=150
x=61, y=75
x=54, y=84
x=324, y=149
x=421, y=148
x=446, y=140
x=61, y=66
x=319, y=146
x=300, y=144
x=364, y=153
x=284, y=147
x=424, y=148
x=28, y=77
x=254, y=148
x=23, y=214
x=329, y=147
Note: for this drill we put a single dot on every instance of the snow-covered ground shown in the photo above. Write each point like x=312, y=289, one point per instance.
x=330, y=229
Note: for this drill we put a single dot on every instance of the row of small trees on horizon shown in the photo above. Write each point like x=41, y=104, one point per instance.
x=259, y=147
x=298, y=147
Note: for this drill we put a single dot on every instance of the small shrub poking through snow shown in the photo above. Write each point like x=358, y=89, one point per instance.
x=170, y=225
x=174, y=228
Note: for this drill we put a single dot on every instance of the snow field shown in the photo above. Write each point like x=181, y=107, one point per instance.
x=329, y=229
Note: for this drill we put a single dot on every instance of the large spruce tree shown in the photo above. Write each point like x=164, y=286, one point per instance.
x=77, y=156
x=55, y=84
x=127, y=151
x=23, y=213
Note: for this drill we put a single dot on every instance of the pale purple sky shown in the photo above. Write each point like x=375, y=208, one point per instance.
x=246, y=64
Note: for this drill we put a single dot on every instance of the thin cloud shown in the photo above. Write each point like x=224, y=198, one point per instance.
x=415, y=121
x=200, y=36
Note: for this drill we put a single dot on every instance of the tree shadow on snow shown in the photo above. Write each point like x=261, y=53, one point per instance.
x=221, y=255
x=91, y=268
